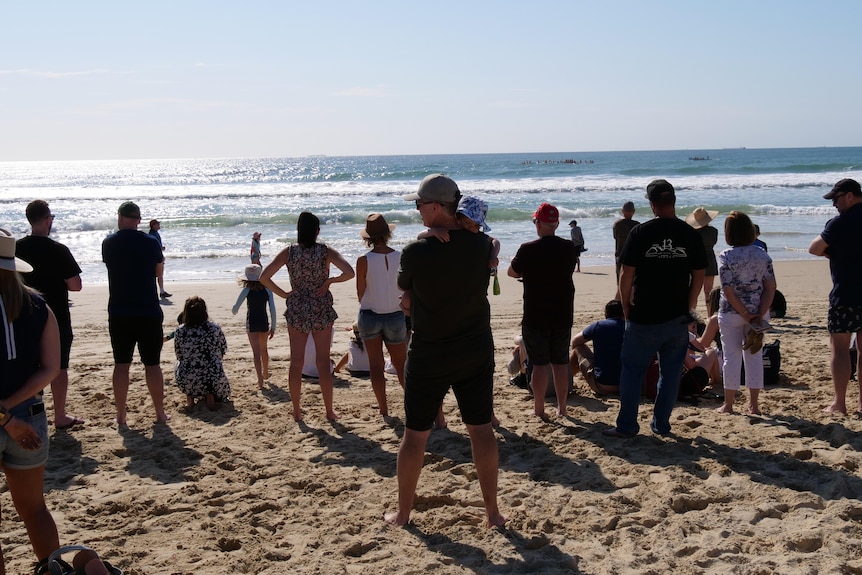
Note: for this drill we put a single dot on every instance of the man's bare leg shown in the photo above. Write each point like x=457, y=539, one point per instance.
x=411, y=456
x=120, y=380
x=59, y=392
x=539, y=383
x=486, y=458
x=156, y=386
x=840, y=366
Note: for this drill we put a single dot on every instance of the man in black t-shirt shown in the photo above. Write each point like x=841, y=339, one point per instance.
x=663, y=263
x=546, y=266
x=55, y=273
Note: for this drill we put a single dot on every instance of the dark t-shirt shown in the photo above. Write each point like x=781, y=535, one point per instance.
x=607, y=337
x=709, y=236
x=546, y=266
x=622, y=228
x=131, y=257
x=17, y=366
x=450, y=313
x=663, y=251
x=52, y=265
x=843, y=233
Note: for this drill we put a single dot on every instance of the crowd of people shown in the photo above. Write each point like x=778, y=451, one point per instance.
x=413, y=304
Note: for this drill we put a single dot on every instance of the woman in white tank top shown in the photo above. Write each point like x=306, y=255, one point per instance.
x=380, y=317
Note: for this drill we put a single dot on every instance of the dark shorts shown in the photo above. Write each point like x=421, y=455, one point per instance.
x=424, y=395
x=65, y=345
x=145, y=332
x=546, y=346
x=390, y=326
x=844, y=319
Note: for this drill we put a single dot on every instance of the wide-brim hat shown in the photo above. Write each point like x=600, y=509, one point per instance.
x=252, y=272
x=8, y=261
x=376, y=226
x=700, y=217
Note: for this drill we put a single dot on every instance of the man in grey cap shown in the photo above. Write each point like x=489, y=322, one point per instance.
x=446, y=285
x=135, y=317
x=841, y=242
x=663, y=263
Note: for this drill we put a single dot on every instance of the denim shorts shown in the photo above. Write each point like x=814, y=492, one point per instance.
x=13, y=455
x=391, y=326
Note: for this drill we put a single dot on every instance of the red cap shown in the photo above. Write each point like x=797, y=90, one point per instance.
x=547, y=214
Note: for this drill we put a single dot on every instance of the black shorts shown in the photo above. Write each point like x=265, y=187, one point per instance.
x=145, y=332
x=423, y=396
x=844, y=319
x=546, y=346
x=65, y=345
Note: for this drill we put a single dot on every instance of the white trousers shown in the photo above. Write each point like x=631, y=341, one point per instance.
x=732, y=327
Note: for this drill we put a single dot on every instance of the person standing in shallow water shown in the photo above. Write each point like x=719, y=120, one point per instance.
x=451, y=320
x=841, y=242
x=309, y=310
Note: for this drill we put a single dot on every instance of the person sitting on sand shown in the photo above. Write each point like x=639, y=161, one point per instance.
x=601, y=366
x=200, y=345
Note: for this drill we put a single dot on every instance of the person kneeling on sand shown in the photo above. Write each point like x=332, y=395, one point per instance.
x=601, y=365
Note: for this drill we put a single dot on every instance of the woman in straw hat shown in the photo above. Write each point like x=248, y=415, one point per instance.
x=699, y=219
x=381, y=319
x=29, y=360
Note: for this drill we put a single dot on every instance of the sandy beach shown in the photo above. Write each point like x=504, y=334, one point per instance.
x=244, y=489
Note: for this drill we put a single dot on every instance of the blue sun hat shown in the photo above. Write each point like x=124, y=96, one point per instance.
x=475, y=209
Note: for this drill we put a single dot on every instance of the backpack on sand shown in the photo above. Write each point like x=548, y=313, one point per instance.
x=55, y=565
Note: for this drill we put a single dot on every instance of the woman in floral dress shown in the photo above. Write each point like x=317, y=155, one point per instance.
x=200, y=345
x=309, y=307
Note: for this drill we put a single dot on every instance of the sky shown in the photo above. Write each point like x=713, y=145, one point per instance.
x=202, y=79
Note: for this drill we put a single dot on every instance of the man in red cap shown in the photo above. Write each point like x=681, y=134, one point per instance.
x=840, y=242
x=546, y=266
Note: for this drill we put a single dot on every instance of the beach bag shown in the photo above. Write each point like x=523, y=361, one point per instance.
x=779, y=305
x=56, y=566
x=771, y=363
x=691, y=383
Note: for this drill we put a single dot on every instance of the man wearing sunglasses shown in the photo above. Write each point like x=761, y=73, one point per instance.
x=451, y=346
x=841, y=242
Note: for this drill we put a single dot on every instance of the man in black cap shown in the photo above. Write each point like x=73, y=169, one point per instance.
x=447, y=284
x=663, y=263
x=135, y=316
x=841, y=242
x=155, y=226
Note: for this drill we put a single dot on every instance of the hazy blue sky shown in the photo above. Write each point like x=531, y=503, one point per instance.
x=194, y=78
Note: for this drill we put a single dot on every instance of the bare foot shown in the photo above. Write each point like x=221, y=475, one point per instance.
x=165, y=418
x=754, y=411
x=724, y=409
x=120, y=421
x=396, y=519
x=562, y=412
x=835, y=408
x=440, y=422
x=542, y=415
x=297, y=416
x=333, y=415
x=260, y=384
x=497, y=520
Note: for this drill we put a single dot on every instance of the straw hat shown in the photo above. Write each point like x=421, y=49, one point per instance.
x=376, y=226
x=8, y=261
x=700, y=217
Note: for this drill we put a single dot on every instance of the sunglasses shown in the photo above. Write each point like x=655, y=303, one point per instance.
x=420, y=203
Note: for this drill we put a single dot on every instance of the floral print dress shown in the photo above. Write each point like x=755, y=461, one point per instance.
x=199, y=368
x=308, y=270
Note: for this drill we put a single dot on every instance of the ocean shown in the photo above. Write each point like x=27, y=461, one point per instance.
x=209, y=208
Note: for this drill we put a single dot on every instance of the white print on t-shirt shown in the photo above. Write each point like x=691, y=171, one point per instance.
x=665, y=250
